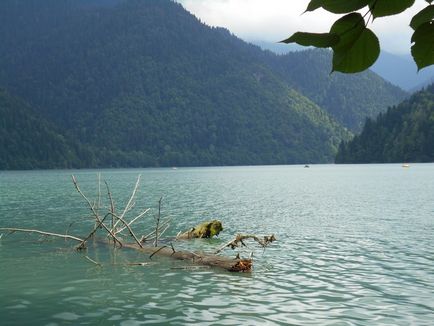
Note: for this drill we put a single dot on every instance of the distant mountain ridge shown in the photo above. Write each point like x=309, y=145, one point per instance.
x=402, y=71
x=144, y=83
x=404, y=133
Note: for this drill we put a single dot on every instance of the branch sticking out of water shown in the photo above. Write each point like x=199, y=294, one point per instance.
x=63, y=236
x=203, y=230
x=239, y=241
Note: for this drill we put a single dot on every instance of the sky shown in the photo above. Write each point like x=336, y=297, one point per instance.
x=275, y=20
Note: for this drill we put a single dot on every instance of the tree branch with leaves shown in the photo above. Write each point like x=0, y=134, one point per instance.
x=355, y=46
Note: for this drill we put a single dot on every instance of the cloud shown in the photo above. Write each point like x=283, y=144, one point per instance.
x=274, y=20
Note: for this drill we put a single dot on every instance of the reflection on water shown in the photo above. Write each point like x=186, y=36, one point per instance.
x=354, y=248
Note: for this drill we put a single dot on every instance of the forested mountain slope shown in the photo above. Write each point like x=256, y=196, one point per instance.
x=145, y=83
x=29, y=142
x=349, y=98
x=403, y=134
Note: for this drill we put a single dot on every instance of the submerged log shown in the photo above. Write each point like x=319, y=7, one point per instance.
x=227, y=263
x=207, y=229
x=119, y=222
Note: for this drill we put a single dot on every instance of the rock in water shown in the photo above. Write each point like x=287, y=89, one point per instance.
x=207, y=229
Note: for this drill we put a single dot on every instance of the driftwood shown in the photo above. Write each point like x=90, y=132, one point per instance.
x=232, y=265
x=157, y=224
x=114, y=224
x=239, y=241
x=63, y=236
x=94, y=209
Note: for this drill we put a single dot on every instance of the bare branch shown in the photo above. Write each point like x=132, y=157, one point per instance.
x=93, y=261
x=128, y=206
x=95, y=213
x=158, y=222
x=92, y=207
x=162, y=225
x=163, y=231
x=133, y=220
x=63, y=236
x=129, y=229
x=112, y=209
x=82, y=245
x=264, y=242
x=158, y=250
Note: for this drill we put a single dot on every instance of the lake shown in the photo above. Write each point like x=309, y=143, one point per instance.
x=355, y=247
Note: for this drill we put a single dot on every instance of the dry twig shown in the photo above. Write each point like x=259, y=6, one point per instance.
x=129, y=204
x=264, y=242
x=93, y=261
x=83, y=243
x=64, y=236
x=163, y=227
x=129, y=229
x=158, y=222
x=95, y=213
x=133, y=220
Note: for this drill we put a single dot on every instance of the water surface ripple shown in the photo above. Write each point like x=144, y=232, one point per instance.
x=355, y=247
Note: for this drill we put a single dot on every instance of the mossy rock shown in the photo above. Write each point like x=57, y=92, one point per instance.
x=207, y=229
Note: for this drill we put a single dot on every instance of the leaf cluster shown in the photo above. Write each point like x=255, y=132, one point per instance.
x=355, y=46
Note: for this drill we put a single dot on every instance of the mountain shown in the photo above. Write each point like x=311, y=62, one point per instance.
x=403, y=134
x=276, y=47
x=27, y=141
x=401, y=70
x=349, y=98
x=145, y=83
x=424, y=84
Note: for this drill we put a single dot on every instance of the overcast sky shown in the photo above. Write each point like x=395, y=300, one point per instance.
x=275, y=20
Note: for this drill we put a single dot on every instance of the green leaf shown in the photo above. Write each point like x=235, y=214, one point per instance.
x=349, y=29
x=314, y=5
x=381, y=8
x=344, y=6
x=360, y=56
x=323, y=40
x=423, y=16
x=423, y=48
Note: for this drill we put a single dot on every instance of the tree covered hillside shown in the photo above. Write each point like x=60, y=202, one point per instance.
x=403, y=134
x=29, y=142
x=145, y=83
x=349, y=98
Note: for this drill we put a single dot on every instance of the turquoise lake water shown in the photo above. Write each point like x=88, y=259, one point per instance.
x=355, y=247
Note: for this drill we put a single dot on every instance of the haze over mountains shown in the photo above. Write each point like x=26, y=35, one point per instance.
x=145, y=83
x=400, y=70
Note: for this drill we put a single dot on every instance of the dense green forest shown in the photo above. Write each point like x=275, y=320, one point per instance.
x=144, y=83
x=404, y=133
x=349, y=98
x=29, y=142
